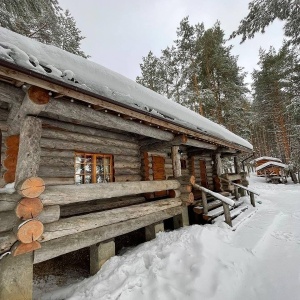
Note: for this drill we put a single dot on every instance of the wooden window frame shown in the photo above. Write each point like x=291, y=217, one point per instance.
x=93, y=166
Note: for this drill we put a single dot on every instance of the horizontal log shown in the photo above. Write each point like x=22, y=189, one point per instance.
x=99, y=205
x=49, y=214
x=66, y=194
x=54, y=171
x=8, y=201
x=9, y=220
x=91, y=117
x=7, y=239
x=87, y=238
x=57, y=161
x=127, y=159
x=124, y=178
x=69, y=226
x=124, y=164
x=10, y=93
x=85, y=138
x=87, y=130
x=3, y=114
x=63, y=145
x=57, y=153
x=58, y=180
x=127, y=171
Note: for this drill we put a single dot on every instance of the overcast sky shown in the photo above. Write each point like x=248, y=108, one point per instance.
x=119, y=33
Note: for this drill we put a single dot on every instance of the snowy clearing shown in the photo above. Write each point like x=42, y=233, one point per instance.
x=260, y=260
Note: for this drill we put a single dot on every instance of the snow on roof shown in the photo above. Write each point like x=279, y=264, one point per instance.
x=266, y=158
x=271, y=164
x=80, y=72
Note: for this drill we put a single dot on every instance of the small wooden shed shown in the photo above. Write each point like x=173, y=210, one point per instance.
x=91, y=155
x=267, y=166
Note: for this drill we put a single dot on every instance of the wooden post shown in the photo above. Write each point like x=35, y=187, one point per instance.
x=16, y=277
x=29, y=149
x=185, y=217
x=178, y=221
x=252, y=199
x=236, y=192
x=100, y=253
x=204, y=203
x=176, y=161
x=152, y=230
x=242, y=192
x=227, y=214
x=236, y=165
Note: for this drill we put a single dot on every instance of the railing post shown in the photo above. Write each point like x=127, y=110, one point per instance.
x=252, y=199
x=204, y=202
x=243, y=192
x=227, y=214
x=236, y=192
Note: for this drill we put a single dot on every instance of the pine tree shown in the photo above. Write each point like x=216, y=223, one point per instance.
x=274, y=91
x=199, y=72
x=263, y=12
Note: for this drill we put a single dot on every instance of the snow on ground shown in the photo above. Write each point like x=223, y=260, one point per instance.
x=260, y=260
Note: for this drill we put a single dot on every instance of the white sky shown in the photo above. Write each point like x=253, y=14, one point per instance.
x=119, y=33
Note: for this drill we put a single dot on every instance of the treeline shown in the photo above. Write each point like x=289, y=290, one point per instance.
x=199, y=72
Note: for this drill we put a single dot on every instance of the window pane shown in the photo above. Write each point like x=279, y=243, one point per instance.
x=79, y=159
x=78, y=179
x=88, y=159
x=88, y=169
x=88, y=179
x=99, y=179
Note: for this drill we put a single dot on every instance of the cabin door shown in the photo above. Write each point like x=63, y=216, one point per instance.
x=203, y=174
x=158, y=167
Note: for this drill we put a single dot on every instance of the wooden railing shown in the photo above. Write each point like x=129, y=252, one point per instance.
x=225, y=201
x=236, y=194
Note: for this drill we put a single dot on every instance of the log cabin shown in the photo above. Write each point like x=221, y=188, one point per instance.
x=91, y=155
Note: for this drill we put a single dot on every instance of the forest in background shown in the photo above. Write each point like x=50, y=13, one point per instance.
x=199, y=71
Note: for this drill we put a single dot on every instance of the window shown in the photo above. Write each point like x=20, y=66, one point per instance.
x=93, y=168
x=183, y=164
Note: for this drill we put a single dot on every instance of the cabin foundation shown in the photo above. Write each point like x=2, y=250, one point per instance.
x=100, y=253
x=16, y=277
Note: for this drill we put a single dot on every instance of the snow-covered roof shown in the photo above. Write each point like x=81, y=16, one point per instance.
x=80, y=72
x=271, y=164
x=266, y=158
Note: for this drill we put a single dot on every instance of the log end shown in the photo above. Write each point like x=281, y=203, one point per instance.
x=192, y=180
x=31, y=187
x=21, y=248
x=38, y=95
x=30, y=231
x=29, y=208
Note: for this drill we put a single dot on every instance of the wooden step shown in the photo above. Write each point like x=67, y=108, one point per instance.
x=237, y=212
x=210, y=205
x=220, y=211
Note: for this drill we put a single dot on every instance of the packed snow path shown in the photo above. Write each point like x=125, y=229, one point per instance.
x=260, y=260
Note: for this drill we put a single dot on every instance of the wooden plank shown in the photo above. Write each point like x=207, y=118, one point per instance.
x=99, y=205
x=90, y=237
x=85, y=138
x=71, y=225
x=66, y=194
x=90, y=131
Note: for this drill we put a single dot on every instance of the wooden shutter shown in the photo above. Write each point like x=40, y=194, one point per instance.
x=158, y=167
x=203, y=175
